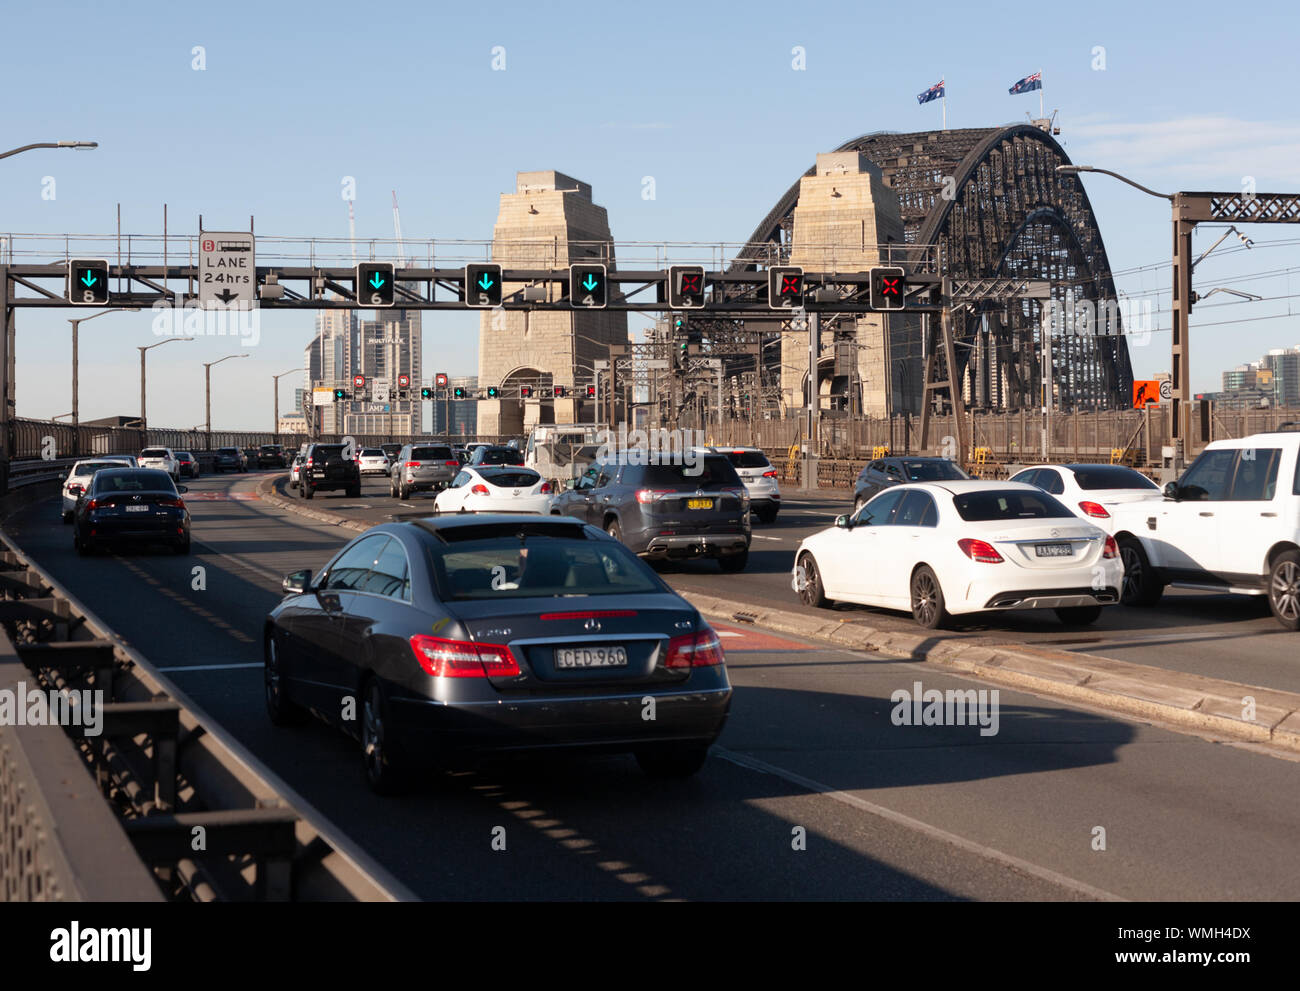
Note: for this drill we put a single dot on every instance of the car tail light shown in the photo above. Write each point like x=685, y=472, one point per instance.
x=980, y=550
x=546, y=488
x=168, y=501
x=94, y=504
x=1111, y=549
x=463, y=658
x=454, y=464
x=1094, y=509
x=694, y=650
x=307, y=464
x=412, y=464
x=479, y=490
x=772, y=473
x=650, y=495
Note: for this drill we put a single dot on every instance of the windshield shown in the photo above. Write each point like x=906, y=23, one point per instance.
x=499, y=456
x=130, y=480
x=154, y=452
x=1009, y=504
x=90, y=467
x=938, y=470
x=748, y=459
x=507, y=479
x=1092, y=477
x=712, y=472
x=551, y=567
x=372, y=452
x=432, y=454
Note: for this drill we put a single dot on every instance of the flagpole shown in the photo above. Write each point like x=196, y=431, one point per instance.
x=945, y=101
x=1040, y=94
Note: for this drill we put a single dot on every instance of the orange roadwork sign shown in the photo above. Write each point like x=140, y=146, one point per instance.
x=1145, y=392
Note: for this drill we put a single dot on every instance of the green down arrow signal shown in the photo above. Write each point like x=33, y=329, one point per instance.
x=376, y=281
x=88, y=279
x=484, y=282
x=590, y=282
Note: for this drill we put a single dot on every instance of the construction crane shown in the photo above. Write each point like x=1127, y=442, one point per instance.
x=352, y=232
x=397, y=227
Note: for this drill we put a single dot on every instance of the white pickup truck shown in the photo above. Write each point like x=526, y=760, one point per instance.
x=1231, y=523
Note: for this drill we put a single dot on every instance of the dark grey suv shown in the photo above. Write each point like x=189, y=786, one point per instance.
x=665, y=510
x=884, y=472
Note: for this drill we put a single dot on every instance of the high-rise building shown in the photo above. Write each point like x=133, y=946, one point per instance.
x=462, y=413
x=329, y=362
x=387, y=347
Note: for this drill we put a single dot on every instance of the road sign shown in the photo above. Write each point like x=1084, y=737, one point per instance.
x=374, y=283
x=358, y=381
x=87, y=282
x=403, y=381
x=227, y=270
x=440, y=380
x=685, y=287
x=1145, y=393
x=1166, y=390
x=379, y=392
x=784, y=287
x=888, y=289
x=587, y=287
x=322, y=397
x=482, y=286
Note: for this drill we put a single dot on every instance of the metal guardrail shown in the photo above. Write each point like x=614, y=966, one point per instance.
x=162, y=764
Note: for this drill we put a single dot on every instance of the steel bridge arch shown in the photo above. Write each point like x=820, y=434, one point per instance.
x=1007, y=213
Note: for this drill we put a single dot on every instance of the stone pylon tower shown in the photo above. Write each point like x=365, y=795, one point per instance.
x=548, y=222
x=845, y=213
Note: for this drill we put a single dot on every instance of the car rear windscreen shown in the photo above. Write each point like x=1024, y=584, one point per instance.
x=932, y=471
x=153, y=452
x=512, y=479
x=327, y=452
x=711, y=472
x=501, y=456
x=1092, y=477
x=133, y=480
x=1009, y=504
x=748, y=459
x=509, y=568
x=432, y=454
x=90, y=467
x=372, y=452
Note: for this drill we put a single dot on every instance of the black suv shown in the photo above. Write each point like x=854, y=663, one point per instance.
x=327, y=468
x=665, y=509
x=229, y=459
x=271, y=456
x=496, y=456
x=884, y=472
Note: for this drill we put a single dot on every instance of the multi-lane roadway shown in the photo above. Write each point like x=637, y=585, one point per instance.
x=812, y=792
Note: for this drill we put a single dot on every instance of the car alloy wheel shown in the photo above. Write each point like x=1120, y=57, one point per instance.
x=808, y=582
x=1284, y=590
x=383, y=769
x=927, y=600
x=281, y=711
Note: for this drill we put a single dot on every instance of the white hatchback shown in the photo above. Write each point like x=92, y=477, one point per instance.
x=940, y=549
x=79, y=478
x=1092, y=491
x=495, y=489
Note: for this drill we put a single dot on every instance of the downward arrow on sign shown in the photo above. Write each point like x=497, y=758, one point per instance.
x=226, y=296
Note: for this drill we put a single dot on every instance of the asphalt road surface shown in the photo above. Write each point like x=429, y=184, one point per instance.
x=812, y=793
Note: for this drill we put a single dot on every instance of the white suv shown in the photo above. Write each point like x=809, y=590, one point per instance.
x=1231, y=523
x=162, y=458
x=760, y=478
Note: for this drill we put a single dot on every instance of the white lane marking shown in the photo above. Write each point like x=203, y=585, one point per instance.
x=241, y=561
x=970, y=846
x=759, y=536
x=210, y=667
x=408, y=505
x=727, y=633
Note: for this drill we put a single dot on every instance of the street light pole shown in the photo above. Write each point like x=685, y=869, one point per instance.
x=76, y=420
x=207, y=395
x=275, y=379
x=50, y=144
x=144, y=424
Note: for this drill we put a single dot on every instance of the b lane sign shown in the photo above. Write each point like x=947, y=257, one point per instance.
x=227, y=270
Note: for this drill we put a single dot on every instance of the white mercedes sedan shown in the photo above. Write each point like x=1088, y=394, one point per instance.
x=495, y=489
x=1092, y=491
x=941, y=549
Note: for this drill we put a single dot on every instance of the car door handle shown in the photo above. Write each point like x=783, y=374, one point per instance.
x=1206, y=514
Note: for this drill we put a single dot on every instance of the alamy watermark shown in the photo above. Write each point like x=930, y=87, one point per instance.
x=191, y=320
x=955, y=707
x=663, y=446
x=1131, y=318
x=21, y=706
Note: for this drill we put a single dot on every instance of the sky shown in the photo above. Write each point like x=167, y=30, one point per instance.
x=284, y=101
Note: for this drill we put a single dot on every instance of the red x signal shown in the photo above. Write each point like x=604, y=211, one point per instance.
x=889, y=287
x=790, y=284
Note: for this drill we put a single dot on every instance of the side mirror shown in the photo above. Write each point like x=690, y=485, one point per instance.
x=182, y=489
x=844, y=522
x=1171, y=491
x=297, y=582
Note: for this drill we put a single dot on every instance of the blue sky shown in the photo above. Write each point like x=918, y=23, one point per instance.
x=703, y=97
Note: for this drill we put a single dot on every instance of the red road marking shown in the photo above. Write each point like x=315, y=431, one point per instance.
x=221, y=496
x=748, y=638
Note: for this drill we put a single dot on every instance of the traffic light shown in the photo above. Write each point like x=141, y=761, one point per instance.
x=440, y=380
x=426, y=392
x=458, y=392
x=784, y=287
x=482, y=285
x=888, y=289
x=87, y=282
x=591, y=392
x=358, y=382
x=685, y=287
x=587, y=287
x=493, y=392
x=375, y=283
x=340, y=394
x=403, y=381
x=525, y=392
x=561, y=392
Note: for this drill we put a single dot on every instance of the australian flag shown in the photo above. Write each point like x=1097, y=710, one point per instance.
x=933, y=93
x=1028, y=84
